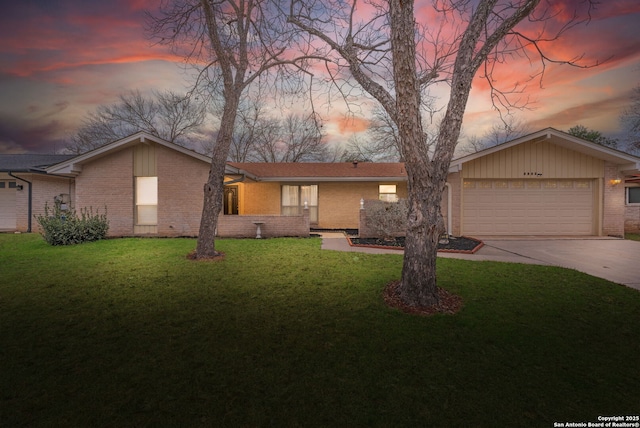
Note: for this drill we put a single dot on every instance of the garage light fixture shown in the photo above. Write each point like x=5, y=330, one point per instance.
x=615, y=181
x=19, y=187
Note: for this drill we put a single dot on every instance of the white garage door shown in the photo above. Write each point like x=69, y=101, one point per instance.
x=528, y=207
x=7, y=205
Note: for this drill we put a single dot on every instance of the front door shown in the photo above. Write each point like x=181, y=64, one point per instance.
x=231, y=200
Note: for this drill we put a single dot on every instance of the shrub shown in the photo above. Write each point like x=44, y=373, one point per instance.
x=65, y=227
x=388, y=219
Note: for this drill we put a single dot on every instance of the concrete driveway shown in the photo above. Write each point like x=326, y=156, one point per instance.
x=616, y=260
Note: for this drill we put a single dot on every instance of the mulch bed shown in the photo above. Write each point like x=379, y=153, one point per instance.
x=460, y=244
x=449, y=303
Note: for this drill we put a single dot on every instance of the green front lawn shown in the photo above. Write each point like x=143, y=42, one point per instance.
x=129, y=332
x=632, y=236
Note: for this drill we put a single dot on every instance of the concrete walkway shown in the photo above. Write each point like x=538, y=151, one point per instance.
x=613, y=259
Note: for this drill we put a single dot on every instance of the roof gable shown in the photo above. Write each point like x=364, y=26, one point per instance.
x=626, y=162
x=74, y=165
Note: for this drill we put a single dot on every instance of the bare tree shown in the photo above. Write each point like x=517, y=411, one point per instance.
x=507, y=129
x=293, y=139
x=167, y=115
x=232, y=43
x=630, y=119
x=384, y=140
x=388, y=40
x=356, y=149
x=249, y=125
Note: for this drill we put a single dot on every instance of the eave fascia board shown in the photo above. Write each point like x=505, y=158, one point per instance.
x=328, y=179
x=453, y=168
x=630, y=168
x=72, y=169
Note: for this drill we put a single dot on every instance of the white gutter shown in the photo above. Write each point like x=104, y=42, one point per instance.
x=318, y=179
x=449, y=203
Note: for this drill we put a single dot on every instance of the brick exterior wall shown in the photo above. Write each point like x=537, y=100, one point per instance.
x=259, y=198
x=44, y=189
x=181, y=180
x=339, y=202
x=631, y=218
x=108, y=181
x=242, y=226
x=22, y=205
x=613, y=215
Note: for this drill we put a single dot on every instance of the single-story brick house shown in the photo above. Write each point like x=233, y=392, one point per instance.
x=149, y=187
x=546, y=183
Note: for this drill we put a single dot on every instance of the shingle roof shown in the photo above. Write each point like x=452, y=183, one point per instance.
x=23, y=163
x=306, y=170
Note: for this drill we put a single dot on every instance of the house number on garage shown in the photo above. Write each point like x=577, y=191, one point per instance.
x=532, y=174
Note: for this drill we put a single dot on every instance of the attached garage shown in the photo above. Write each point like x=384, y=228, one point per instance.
x=529, y=207
x=547, y=183
x=7, y=205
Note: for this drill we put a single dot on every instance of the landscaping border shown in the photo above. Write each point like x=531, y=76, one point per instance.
x=444, y=250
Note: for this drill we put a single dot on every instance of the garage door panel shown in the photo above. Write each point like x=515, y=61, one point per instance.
x=530, y=207
x=7, y=205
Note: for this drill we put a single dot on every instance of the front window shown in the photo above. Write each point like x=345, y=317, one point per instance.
x=295, y=197
x=633, y=195
x=388, y=192
x=147, y=200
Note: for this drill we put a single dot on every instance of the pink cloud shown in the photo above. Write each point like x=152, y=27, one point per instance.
x=583, y=113
x=91, y=51
x=349, y=125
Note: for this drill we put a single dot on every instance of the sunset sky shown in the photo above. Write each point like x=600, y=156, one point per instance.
x=60, y=59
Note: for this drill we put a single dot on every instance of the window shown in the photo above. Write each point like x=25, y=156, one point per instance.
x=633, y=195
x=388, y=192
x=147, y=200
x=12, y=185
x=294, y=198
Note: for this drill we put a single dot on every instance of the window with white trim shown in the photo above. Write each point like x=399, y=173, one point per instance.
x=388, y=192
x=633, y=196
x=147, y=201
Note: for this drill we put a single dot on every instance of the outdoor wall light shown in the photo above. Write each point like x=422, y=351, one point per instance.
x=19, y=187
x=615, y=181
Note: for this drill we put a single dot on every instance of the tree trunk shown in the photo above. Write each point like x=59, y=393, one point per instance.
x=418, y=286
x=214, y=187
x=418, y=283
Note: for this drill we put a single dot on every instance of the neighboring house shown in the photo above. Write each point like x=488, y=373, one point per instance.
x=632, y=204
x=546, y=183
x=148, y=186
x=25, y=187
